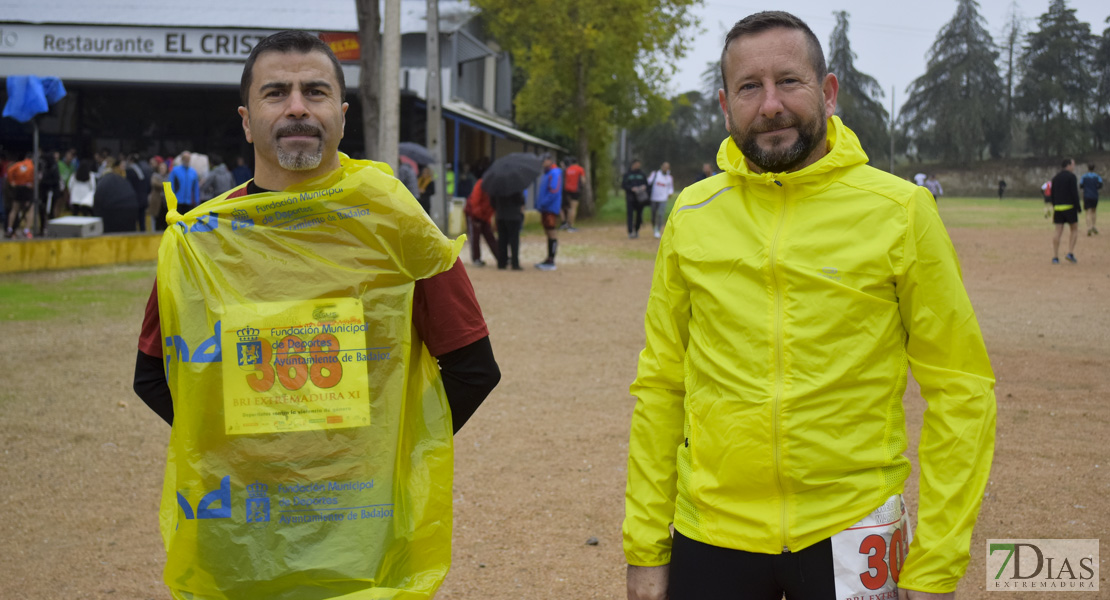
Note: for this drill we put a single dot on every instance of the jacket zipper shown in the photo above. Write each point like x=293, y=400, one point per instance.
x=777, y=406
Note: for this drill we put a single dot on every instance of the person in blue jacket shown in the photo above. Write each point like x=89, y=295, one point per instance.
x=549, y=201
x=186, y=184
x=1090, y=183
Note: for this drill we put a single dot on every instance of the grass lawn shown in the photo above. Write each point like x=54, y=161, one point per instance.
x=972, y=213
x=106, y=291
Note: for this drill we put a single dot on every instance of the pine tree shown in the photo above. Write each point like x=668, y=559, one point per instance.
x=858, y=102
x=1012, y=34
x=955, y=109
x=1056, y=90
x=1102, y=98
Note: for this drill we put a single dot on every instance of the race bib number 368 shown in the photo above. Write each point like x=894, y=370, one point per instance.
x=868, y=556
x=289, y=366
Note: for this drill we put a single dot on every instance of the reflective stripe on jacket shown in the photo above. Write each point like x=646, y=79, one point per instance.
x=784, y=311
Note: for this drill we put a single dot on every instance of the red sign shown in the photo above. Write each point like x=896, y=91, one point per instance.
x=344, y=45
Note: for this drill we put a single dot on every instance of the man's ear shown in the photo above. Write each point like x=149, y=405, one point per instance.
x=830, y=87
x=344, y=114
x=243, y=112
x=722, y=99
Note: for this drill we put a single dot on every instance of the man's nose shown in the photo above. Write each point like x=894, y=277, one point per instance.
x=771, y=106
x=296, y=106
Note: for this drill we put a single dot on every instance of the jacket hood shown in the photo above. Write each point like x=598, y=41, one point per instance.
x=844, y=151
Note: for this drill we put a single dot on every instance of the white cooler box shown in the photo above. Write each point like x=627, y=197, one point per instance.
x=69, y=227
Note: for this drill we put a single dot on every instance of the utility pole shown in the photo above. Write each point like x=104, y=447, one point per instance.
x=389, y=131
x=435, y=117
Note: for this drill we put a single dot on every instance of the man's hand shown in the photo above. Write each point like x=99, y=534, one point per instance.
x=904, y=594
x=648, y=583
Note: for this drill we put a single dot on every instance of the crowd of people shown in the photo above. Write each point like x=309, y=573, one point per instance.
x=557, y=197
x=124, y=190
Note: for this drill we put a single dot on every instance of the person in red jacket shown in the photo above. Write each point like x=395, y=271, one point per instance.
x=21, y=181
x=573, y=179
x=479, y=214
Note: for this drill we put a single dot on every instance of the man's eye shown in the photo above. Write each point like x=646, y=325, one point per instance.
x=747, y=87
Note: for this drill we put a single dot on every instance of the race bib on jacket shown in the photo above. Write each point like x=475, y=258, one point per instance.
x=868, y=556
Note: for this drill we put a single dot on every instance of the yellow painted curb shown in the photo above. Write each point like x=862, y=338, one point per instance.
x=72, y=253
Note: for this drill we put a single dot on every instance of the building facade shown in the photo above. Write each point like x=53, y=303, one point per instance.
x=162, y=79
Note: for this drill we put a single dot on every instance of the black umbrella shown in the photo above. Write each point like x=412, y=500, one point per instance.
x=511, y=174
x=418, y=153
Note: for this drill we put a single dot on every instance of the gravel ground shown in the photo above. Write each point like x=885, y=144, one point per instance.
x=540, y=469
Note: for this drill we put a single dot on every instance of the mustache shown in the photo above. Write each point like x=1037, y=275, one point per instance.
x=781, y=122
x=298, y=129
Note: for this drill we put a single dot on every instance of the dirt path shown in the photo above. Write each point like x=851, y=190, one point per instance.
x=541, y=467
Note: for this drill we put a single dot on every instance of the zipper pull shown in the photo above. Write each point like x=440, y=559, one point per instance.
x=785, y=550
x=778, y=183
x=687, y=442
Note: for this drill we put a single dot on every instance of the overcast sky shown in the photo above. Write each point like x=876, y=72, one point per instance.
x=891, y=38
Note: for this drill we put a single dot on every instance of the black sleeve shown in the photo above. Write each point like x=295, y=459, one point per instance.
x=469, y=375
x=151, y=385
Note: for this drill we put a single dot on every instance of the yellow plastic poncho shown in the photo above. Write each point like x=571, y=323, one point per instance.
x=310, y=455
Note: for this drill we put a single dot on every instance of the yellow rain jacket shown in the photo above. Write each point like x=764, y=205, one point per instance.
x=784, y=311
x=310, y=455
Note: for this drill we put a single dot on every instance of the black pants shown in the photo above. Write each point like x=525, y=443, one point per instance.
x=508, y=239
x=635, y=214
x=703, y=572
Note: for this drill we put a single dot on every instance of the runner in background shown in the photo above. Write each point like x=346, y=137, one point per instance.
x=1091, y=183
x=1063, y=197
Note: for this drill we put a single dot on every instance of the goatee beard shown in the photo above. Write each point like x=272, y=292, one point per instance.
x=301, y=160
x=787, y=159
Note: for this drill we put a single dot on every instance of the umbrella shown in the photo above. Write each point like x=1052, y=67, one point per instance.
x=511, y=174
x=416, y=152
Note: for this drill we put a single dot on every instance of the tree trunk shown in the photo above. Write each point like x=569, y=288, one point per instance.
x=369, y=43
x=587, y=206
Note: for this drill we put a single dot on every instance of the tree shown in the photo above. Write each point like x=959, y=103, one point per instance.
x=1102, y=97
x=1012, y=34
x=684, y=139
x=954, y=110
x=858, y=102
x=590, y=65
x=1056, y=88
x=369, y=42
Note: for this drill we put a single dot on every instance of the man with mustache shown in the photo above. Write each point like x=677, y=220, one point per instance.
x=791, y=292
x=310, y=452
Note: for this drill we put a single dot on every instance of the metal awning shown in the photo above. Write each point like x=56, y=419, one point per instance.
x=480, y=120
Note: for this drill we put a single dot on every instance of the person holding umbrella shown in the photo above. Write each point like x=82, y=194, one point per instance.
x=505, y=181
